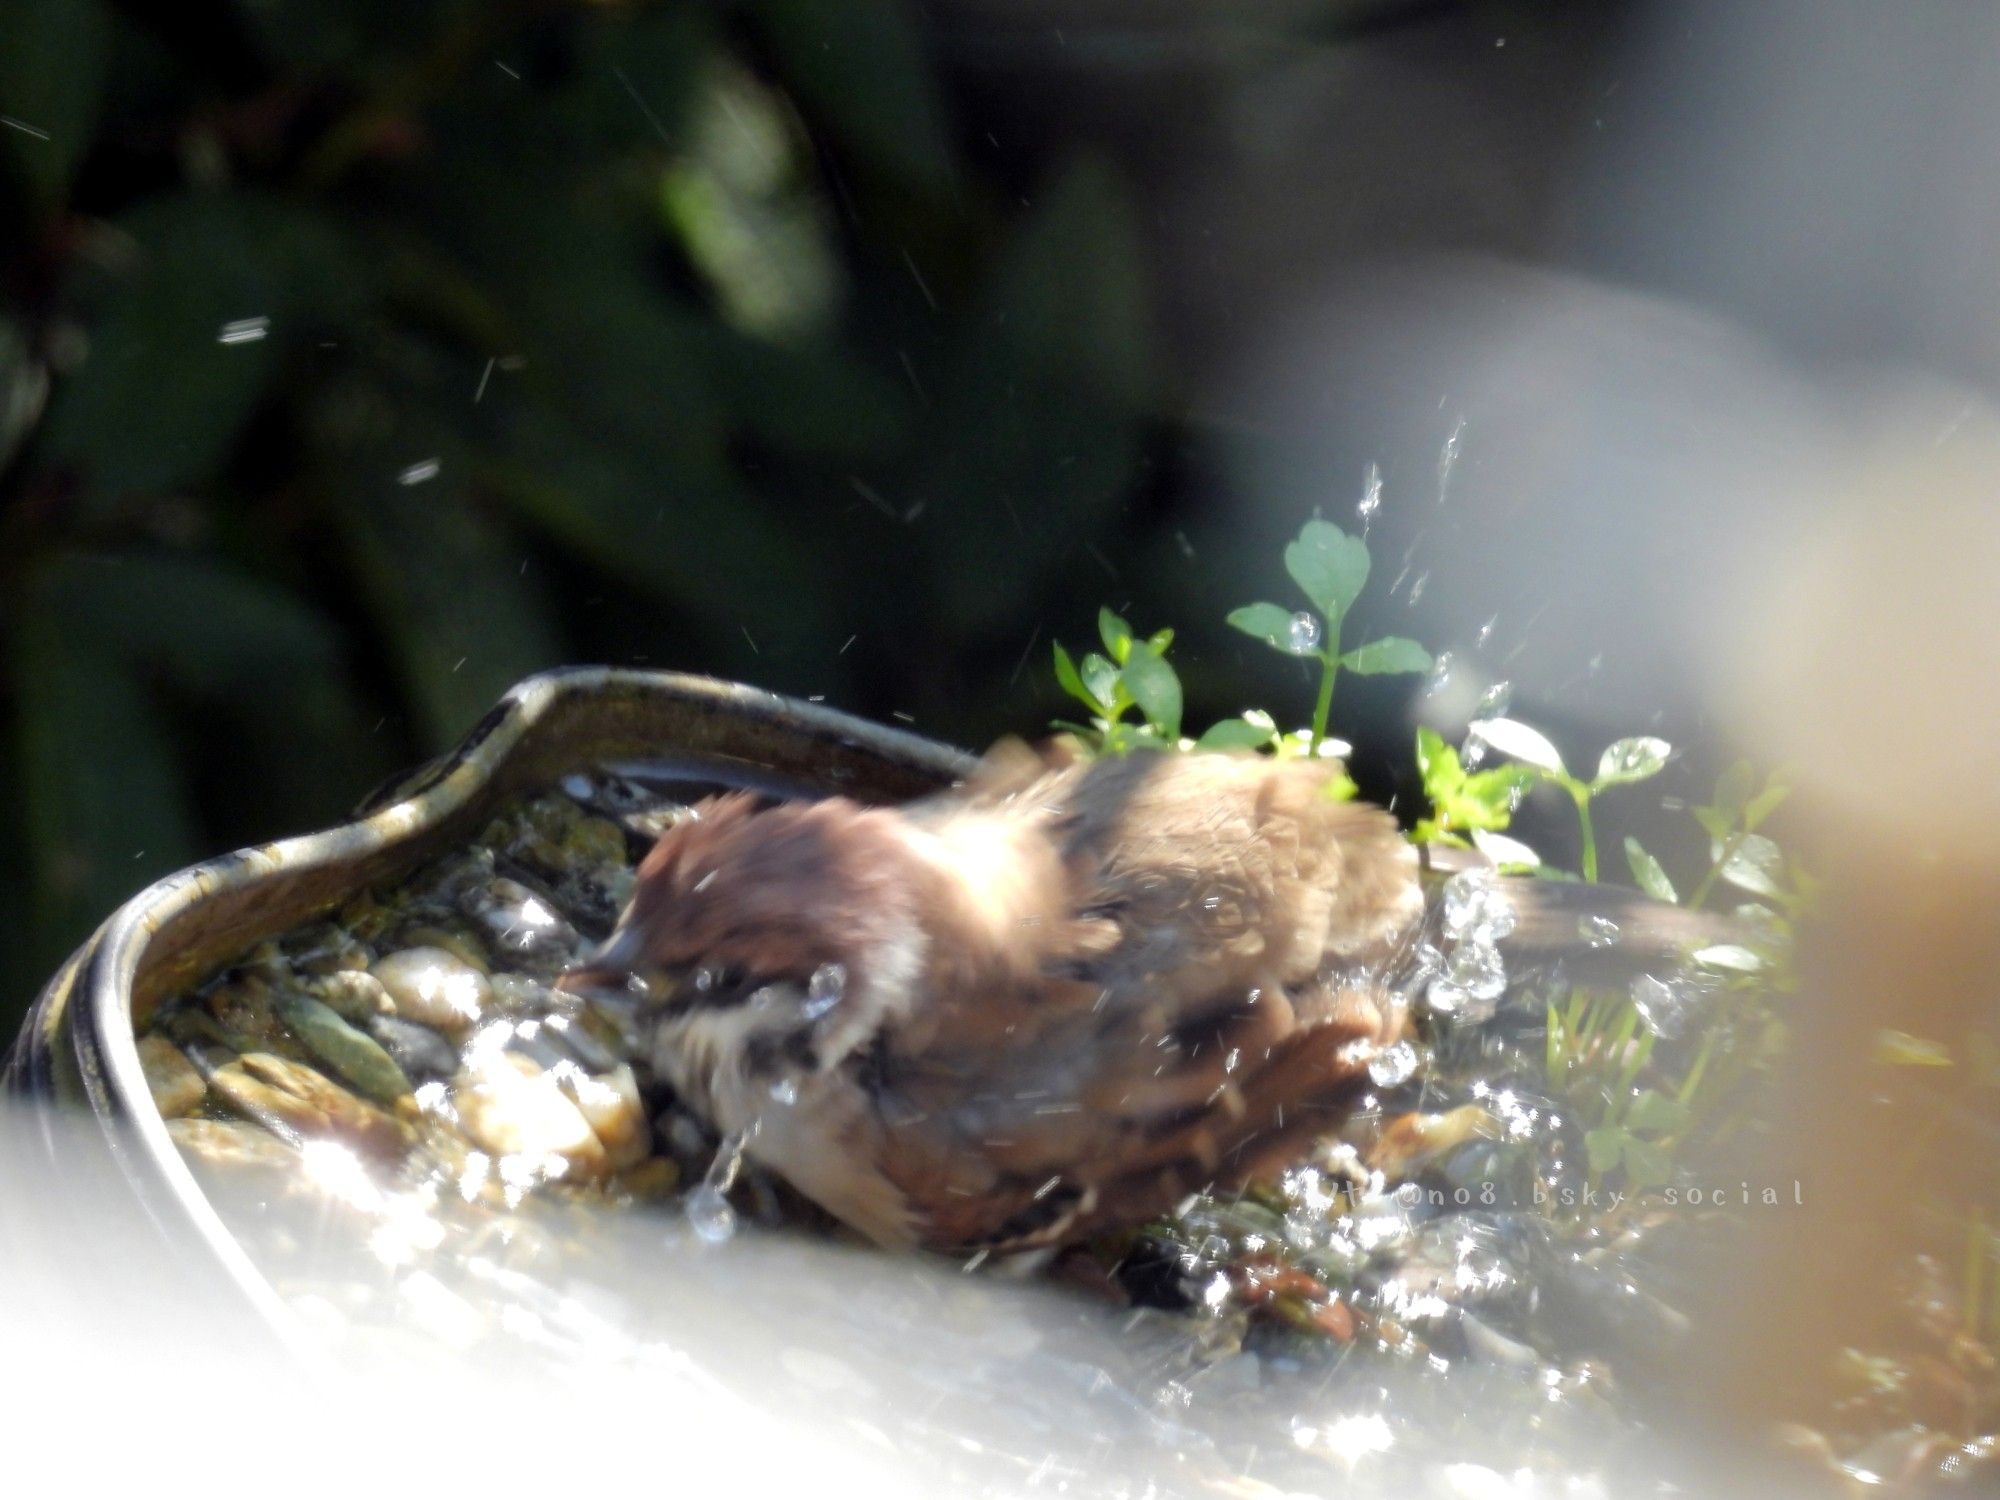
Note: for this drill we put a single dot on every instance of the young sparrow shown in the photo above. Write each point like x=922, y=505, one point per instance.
x=1058, y=998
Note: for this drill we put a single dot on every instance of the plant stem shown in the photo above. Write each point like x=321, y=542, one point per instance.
x=1329, y=669
x=1729, y=847
x=1580, y=795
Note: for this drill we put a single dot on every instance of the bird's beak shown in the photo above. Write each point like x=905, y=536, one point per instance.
x=611, y=970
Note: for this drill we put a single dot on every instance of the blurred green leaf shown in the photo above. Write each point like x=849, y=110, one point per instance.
x=1036, y=438
x=186, y=344
x=105, y=807
x=1272, y=624
x=1154, y=687
x=52, y=65
x=1234, y=734
x=748, y=217
x=1628, y=760
x=1647, y=872
x=1900, y=1049
x=1391, y=654
x=860, y=64
x=1755, y=865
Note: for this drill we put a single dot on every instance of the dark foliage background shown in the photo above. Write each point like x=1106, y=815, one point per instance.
x=358, y=359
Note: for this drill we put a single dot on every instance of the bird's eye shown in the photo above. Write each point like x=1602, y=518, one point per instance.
x=720, y=985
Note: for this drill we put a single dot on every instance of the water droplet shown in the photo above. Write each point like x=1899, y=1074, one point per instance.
x=1417, y=585
x=1662, y=1004
x=824, y=990
x=709, y=1215
x=1476, y=910
x=1302, y=634
x=1393, y=1065
x=1448, y=458
x=1477, y=969
x=1495, y=701
x=1441, y=670
x=1371, y=495
x=244, y=331
x=708, y=1211
x=786, y=1091
x=1597, y=932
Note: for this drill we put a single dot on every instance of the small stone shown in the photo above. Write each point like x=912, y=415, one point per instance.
x=175, y=1084
x=242, y=1012
x=453, y=939
x=610, y=1102
x=354, y=995
x=298, y=1103
x=231, y=1143
x=419, y=1051
x=354, y=1055
x=513, y=1108
x=522, y=923
x=434, y=988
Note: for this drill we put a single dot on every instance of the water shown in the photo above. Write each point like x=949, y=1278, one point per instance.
x=1597, y=932
x=1394, y=1065
x=1303, y=634
x=824, y=991
x=708, y=1210
x=1371, y=496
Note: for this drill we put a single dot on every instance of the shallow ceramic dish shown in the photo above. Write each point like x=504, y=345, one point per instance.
x=76, y=1054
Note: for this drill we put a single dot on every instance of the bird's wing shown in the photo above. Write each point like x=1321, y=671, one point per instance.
x=1224, y=1011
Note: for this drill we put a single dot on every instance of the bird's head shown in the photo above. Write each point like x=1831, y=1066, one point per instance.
x=739, y=897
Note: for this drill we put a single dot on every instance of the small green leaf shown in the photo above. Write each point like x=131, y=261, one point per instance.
x=1437, y=763
x=1754, y=865
x=1526, y=744
x=1902, y=1050
x=1117, y=635
x=1634, y=759
x=1488, y=798
x=1391, y=654
x=1154, y=687
x=1100, y=679
x=1656, y=1114
x=1714, y=822
x=1605, y=1146
x=1233, y=734
x=1648, y=873
x=1330, y=566
x=1163, y=640
x=1272, y=624
x=1733, y=956
x=1508, y=854
x=1761, y=806
x=1066, y=675
x=1732, y=789
x=1646, y=1165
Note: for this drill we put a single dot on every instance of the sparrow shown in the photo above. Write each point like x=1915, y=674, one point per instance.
x=1058, y=998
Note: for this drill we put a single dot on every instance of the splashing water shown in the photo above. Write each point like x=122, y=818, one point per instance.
x=1475, y=909
x=1371, y=496
x=1393, y=1065
x=1495, y=701
x=709, y=1213
x=1597, y=932
x=1302, y=635
x=1448, y=458
x=824, y=990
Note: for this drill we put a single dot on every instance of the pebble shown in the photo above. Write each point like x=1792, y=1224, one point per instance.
x=434, y=988
x=174, y=1082
x=352, y=994
x=354, y=1055
x=296, y=1102
x=513, y=1108
x=419, y=1051
x=231, y=1143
